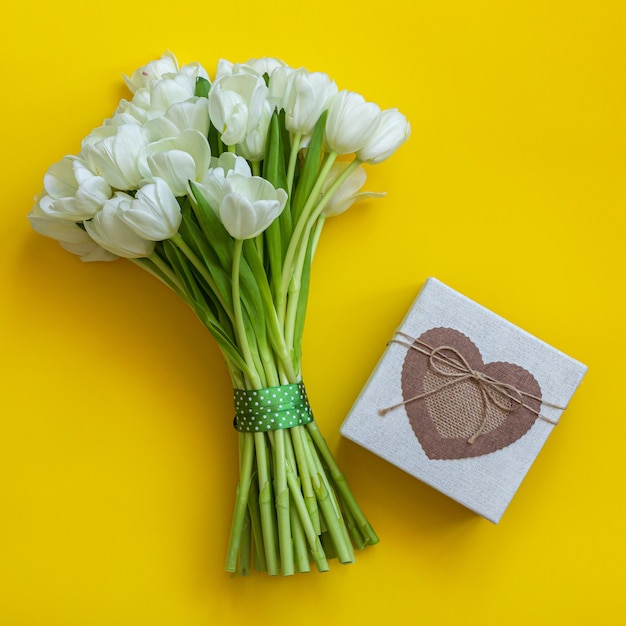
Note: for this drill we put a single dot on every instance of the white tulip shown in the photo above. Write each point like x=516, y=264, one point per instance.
x=151, y=71
x=392, y=131
x=257, y=67
x=113, y=152
x=69, y=235
x=253, y=146
x=194, y=70
x=351, y=122
x=348, y=192
x=177, y=160
x=249, y=205
x=110, y=231
x=135, y=111
x=171, y=89
x=154, y=213
x=75, y=192
x=305, y=96
x=212, y=184
x=236, y=104
x=193, y=114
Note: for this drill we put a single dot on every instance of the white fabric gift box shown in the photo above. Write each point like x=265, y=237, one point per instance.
x=463, y=400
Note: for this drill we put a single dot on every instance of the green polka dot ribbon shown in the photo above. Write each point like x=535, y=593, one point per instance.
x=260, y=410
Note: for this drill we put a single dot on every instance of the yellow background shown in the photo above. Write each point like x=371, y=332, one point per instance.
x=117, y=454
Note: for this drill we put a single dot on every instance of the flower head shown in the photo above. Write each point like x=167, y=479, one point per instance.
x=154, y=214
x=249, y=205
x=177, y=160
x=75, y=192
x=257, y=67
x=212, y=183
x=151, y=71
x=392, y=131
x=113, y=152
x=348, y=191
x=69, y=235
x=110, y=231
x=351, y=122
x=304, y=95
x=236, y=104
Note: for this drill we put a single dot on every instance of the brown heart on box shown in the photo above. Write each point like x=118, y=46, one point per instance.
x=460, y=407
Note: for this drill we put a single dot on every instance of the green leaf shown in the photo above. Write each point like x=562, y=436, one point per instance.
x=274, y=172
x=303, y=296
x=213, y=229
x=202, y=87
x=195, y=239
x=214, y=141
x=310, y=168
x=183, y=271
x=250, y=293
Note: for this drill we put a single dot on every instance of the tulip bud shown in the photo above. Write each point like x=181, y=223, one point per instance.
x=348, y=192
x=253, y=146
x=351, y=122
x=392, y=131
x=75, y=193
x=69, y=235
x=236, y=104
x=112, y=152
x=212, y=184
x=249, y=205
x=177, y=160
x=306, y=96
x=257, y=67
x=152, y=71
x=109, y=230
x=154, y=214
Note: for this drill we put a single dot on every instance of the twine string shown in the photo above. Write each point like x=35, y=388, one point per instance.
x=448, y=362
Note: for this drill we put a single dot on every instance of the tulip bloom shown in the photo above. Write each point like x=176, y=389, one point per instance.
x=113, y=153
x=257, y=67
x=236, y=104
x=152, y=71
x=69, y=235
x=75, y=192
x=192, y=114
x=348, y=192
x=110, y=231
x=392, y=131
x=304, y=95
x=253, y=146
x=177, y=160
x=351, y=122
x=212, y=184
x=249, y=205
x=154, y=214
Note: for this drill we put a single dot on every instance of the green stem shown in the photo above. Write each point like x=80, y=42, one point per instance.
x=330, y=511
x=293, y=159
x=341, y=484
x=282, y=505
x=315, y=546
x=296, y=285
x=241, y=502
x=265, y=504
x=305, y=476
x=240, y=329
x=298, y=230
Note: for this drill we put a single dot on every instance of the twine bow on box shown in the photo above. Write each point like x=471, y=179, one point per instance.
x=453, y=371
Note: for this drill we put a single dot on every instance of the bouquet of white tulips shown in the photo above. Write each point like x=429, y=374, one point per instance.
x=220, y=189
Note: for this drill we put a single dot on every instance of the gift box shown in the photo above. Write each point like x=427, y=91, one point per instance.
x=463, y=400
